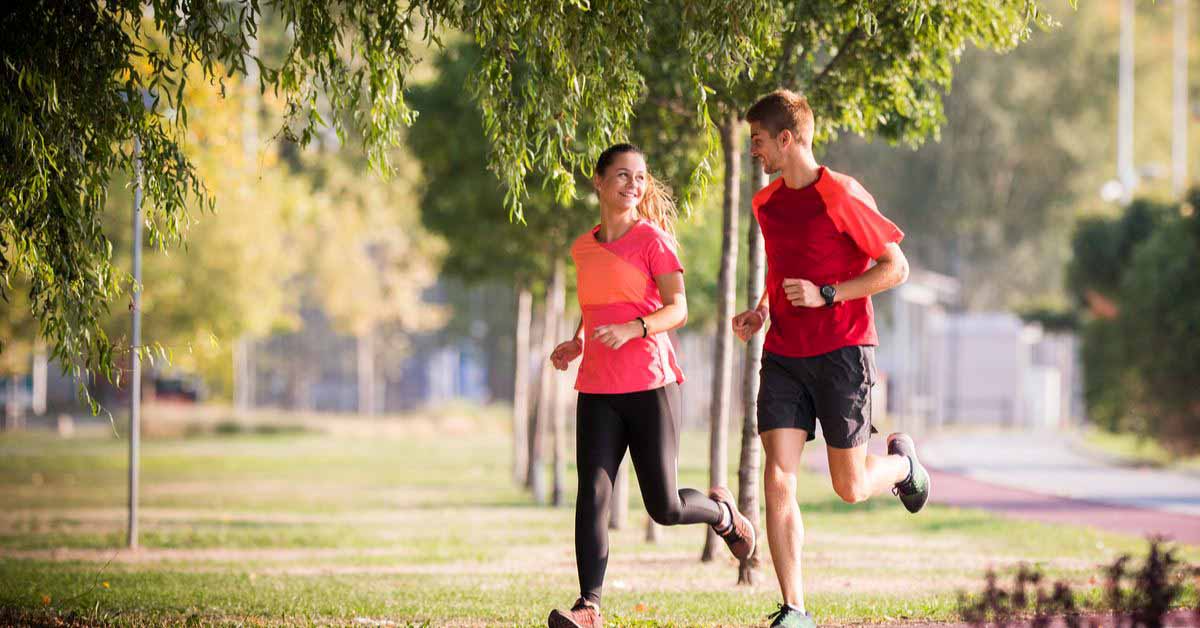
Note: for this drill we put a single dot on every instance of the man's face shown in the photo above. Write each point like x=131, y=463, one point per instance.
x=765, y=148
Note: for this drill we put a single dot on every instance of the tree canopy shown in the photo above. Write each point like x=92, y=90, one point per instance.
x=557, y=81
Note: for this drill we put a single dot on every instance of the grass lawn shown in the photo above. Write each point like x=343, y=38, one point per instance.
x=1137, y=450
x=416, y=521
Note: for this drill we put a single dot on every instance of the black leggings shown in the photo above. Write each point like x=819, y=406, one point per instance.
x=647, y=423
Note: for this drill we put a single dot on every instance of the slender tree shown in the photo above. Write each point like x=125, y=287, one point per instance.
x=749, y=465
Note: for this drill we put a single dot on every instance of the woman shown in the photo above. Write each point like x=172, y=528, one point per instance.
x=630, y=286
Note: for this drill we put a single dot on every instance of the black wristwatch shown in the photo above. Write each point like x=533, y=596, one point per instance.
x=827, y=293
x=645, y=329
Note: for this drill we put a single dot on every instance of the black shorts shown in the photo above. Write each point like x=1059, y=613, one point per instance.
x=834, y=387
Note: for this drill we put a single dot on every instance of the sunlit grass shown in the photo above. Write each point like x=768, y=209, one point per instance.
x=424, y=525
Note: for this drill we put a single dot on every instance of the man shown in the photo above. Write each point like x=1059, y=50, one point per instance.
x=821, y=230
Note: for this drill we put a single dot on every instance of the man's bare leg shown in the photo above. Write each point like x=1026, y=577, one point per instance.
x=785, y=529
x=857, y=475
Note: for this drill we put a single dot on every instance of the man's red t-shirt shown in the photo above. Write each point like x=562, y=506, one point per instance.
x=826, y=232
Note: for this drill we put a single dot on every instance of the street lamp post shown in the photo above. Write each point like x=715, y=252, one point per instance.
x=135, y=345
x=1179, y=167
x=1125, y=171
x=135, y=399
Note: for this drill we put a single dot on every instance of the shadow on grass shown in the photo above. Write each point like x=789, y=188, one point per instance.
x=46, y=618
x=515, y=502
x=959, y=522
x=932, y=519
x=836, y=506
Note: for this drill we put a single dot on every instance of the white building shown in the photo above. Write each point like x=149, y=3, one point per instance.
x=942, y=367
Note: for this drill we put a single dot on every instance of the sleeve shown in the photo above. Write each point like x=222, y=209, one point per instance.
x=855, y=215
x=661, y=256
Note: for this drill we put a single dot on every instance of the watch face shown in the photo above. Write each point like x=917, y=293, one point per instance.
x=827, y=292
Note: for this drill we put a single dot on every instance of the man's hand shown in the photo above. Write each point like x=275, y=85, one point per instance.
x=565, y=353
x=748, y=323
x=613, y=336
x=803, y=293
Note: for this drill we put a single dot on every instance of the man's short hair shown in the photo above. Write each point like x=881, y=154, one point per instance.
x=784, y=109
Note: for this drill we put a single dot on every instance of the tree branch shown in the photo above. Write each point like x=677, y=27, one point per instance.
x=783, y=70
x=851, y=38
x=673, y=106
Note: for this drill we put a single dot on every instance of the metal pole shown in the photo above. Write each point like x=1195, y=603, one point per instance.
x=1179, y=156
x=1125, y=171
x=135, y=388
x=243, y=346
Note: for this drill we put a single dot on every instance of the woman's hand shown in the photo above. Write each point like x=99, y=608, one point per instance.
x=565, y=353
x=613, y=336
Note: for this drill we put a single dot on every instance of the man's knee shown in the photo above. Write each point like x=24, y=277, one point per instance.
x=852, y=490
x=779, y=481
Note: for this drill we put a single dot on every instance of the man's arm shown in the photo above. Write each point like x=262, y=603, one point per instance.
x=749, y=322
x=889, y=271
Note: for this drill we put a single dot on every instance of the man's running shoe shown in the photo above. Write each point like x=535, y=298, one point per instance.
x=913, y=491
x=788, y=617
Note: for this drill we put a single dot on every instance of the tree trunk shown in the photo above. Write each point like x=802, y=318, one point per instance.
x=251, y=382
x=548, y=394
x=366, y=373
x=302, y=376
x=239, y=375
x=12, y=406
x=558, y=490
x=653, y=531
x=243, y=374
x=537, y=330
x=748, y=466
x=40, y=369
x=521, y=385
x=618, y=512
x=726, y=300
x=535, y=477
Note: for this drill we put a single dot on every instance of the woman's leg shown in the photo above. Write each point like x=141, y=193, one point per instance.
x=599, y=446
x=652, y=420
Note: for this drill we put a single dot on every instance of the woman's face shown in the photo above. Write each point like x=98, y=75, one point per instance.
x=623, y=183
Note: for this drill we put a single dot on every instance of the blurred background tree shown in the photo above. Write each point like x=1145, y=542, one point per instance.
x=1134, y=277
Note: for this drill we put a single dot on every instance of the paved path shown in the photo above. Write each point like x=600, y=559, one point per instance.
x=1051, y=462
x=1045, y=477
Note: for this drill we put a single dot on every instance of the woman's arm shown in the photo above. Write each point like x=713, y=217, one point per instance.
x=671, y=315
